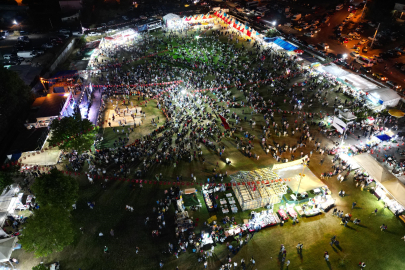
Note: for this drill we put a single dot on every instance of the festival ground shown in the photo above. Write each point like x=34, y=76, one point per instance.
x=362, y=242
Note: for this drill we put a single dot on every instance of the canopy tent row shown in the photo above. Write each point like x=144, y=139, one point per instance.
x=6, y=248
x=382, y=177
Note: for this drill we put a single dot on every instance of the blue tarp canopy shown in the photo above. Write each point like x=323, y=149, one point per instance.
x=284, y=44
x=384, y=137
x=268, y=40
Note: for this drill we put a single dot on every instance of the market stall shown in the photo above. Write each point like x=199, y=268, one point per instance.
x=388, y=187
x=209, y=198
x=262, y=219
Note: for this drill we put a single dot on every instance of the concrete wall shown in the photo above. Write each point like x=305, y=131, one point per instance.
x=63, y=55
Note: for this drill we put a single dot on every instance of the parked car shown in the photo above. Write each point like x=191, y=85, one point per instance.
x=394, y=85
x=380, y=76
x=312, y=46
x=23, y=39
x=378, y=58
x=365, y=49
x=298, y=28
x=354, y=54
x=366, y=69
x=64, y=31
x=363, y=41
x=309, y=34
x=47, y=45
x=92, y=34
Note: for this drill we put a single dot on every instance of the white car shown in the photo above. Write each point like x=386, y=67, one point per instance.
x=309, y=34
x=92, y=34
x=355, y=54
x=64, y=31
x=47, y=45
x=7, y=56
x=361, y=42
x=306, y=27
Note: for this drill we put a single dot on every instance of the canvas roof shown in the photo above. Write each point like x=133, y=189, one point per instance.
x=50, y=105
x=396, y=189
x=308, y=182
x=384, y=94
x=373, y=168
x=6, y=248
x=171, y=16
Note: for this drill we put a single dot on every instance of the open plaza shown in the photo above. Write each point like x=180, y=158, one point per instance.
x=221, y=149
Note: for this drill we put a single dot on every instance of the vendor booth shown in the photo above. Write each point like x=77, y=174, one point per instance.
x=388, y=188
x=384, y=96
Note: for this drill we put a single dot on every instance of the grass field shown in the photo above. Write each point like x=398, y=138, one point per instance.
x=364, y=242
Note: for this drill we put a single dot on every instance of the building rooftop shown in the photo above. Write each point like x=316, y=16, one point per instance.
x=29, y=140
x=50, y=105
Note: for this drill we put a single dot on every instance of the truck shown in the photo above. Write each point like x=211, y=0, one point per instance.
x=296, y=17
x=26, y=54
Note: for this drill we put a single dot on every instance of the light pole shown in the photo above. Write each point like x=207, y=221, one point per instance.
x=362, y=13
x=16, y=23
x=375, y=34
x=302, y=175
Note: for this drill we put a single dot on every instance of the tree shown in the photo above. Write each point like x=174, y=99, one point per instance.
x=48, y=230
x=56, y=189
x=6, y=179
x=15, y=100
x=40, y=267
x=73, y=133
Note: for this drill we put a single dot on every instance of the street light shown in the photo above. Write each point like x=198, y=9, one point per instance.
x=344, y=56
x=274, y=23
x=15, y=22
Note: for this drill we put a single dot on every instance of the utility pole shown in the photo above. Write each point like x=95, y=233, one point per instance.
x=362, y=13
x=375, y=34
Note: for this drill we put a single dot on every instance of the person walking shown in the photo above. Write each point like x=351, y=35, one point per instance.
x=326, y=255
x=105, y=249
x=353, y=205
x=375, y=211
x=112, y=232
x=383, y=227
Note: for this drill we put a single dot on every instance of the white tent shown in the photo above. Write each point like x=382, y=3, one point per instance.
x=171, y=19
x=8, y=200
x=352, y=79
x=384, y=96
x=6, y=247
x=377, y=171
x=3, y=217
x=48, y=157
x=308, y=182
x=381, y=174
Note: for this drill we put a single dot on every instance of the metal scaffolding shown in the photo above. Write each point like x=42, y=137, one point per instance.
x=252, y=195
